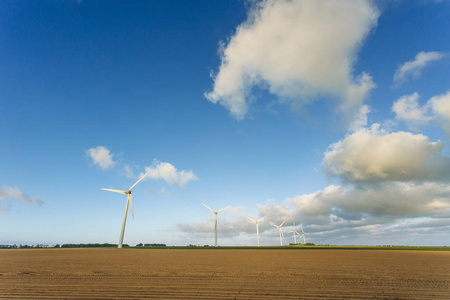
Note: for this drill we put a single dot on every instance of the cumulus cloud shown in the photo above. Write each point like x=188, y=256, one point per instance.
x=374, y=155
x=8, y=192
x=360, y=120
x=440, y=105
x=167, y=172
x=436, y=109
x=298, y=51
x=413, y=68
x=398, y=199
x=345, y=213
x=407, y=108
x=338, y=211
x=101, y=156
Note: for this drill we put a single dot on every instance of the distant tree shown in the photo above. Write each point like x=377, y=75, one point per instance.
x=139, y=245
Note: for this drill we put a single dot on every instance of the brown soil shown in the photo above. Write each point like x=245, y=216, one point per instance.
x=223, y=274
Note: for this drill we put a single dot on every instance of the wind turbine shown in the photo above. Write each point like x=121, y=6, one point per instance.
x=257, y=227
x=280, y=230
x=303, y=235
x=295, y=232
x=215, y=222
x=128, y=192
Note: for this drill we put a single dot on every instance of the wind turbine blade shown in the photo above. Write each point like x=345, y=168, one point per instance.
x=138, y=181
x=261, y=218
x=209, y=208
x=282, y=223
x=116, y=191
x=274, y=225
x=131, y=205
x=251, y=219
x=224, y=208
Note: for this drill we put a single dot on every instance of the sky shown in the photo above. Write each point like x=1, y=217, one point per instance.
x=330, y=115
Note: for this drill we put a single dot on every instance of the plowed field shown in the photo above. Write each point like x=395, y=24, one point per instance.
x=223, y=274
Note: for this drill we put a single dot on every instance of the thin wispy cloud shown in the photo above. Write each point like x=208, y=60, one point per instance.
x=8, y=192
x=298, y=51
x=413, y=68
x=101, y=157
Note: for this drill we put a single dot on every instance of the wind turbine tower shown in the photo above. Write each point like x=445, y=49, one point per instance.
x=257, y=227
x=128, y=193
x=294, y=232
x=280, y=230
x=215, y=222
x=303, y=235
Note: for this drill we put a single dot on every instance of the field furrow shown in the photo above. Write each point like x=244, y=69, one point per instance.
x=223, y=274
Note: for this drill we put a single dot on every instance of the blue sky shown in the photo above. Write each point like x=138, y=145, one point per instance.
x=332, y=115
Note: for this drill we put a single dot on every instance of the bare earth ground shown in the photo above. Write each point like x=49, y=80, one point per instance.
x=223, y=274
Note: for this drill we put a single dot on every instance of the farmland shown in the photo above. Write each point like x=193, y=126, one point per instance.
x=108, y=273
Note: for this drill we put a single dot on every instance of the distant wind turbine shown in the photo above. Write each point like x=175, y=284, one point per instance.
x=303, y=235
x=280, y=230
x=215, y=222
x=257, y=227
x=128, y=192
x=294, y=232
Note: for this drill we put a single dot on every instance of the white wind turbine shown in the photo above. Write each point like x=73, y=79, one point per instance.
x=257, y=227
x=215, y=222
x=280, y=230
x=294, y=232
x=303, y=235
x=128, y=192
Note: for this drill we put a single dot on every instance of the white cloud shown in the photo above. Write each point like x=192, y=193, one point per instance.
x=167, y=172
x=373, y=155
x=407, y=108
x=398, y=199
x=437, y=109
x=338, y=211
x=227, y=227
x=413, y=68
x=298, y=50
x=440, y=105
x=336, y=214
x=101, y=156
x=360, y=120
x=8, y=192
